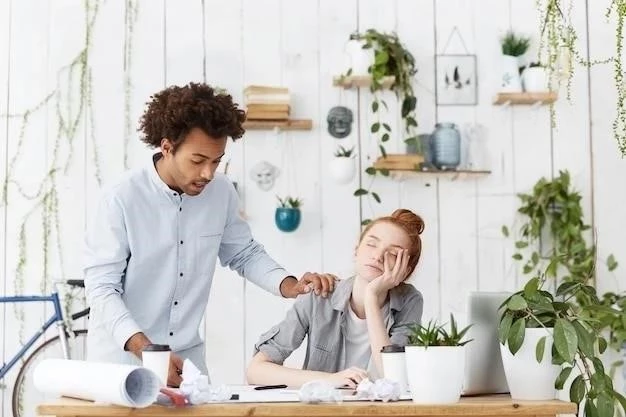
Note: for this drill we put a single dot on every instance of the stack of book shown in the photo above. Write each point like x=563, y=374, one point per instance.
x=266, y=102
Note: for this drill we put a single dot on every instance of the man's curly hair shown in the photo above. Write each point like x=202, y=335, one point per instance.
x=173, y=112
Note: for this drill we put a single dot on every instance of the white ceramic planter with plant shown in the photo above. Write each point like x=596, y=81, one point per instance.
x=556, y=342
x=529, y=376
x=435, y=363
x=359, y=59
x=535, y=79
x=343, y=167
x=513, y=46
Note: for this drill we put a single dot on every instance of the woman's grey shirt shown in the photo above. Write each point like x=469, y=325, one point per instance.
x=323, y=320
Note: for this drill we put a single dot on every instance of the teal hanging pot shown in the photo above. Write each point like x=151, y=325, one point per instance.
x=287, y=219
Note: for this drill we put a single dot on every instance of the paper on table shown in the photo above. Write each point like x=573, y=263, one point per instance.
x=126, y=385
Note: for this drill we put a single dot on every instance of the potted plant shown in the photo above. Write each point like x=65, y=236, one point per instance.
x=435, y=362
x=513, y=46
x=342, y=167
x=390, y=58
x=551, y=237
x=287, y=216
x=535, y=78
x=566, y=343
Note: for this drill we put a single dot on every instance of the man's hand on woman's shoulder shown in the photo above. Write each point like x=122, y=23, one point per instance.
x=320, y=284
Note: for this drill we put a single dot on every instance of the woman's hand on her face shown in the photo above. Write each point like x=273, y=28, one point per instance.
x=348, y=378
x=393, y=273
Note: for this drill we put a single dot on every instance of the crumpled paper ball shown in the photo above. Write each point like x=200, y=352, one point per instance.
x=383, y=389
x=197, y=389
x=314, y=392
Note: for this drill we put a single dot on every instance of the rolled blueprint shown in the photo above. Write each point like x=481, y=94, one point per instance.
x=126, y=385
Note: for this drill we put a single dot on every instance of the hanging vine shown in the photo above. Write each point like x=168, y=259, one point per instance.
x=130, y=18
x=72, y=101
x=558, y=46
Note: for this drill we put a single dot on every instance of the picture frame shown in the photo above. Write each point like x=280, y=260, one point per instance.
x=456, y=80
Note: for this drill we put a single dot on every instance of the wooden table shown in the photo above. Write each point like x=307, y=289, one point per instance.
x=492, y=405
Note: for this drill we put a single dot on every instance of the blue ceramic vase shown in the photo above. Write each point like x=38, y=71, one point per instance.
x=446, y=146
x=287, y=219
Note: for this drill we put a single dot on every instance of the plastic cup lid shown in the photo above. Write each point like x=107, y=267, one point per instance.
x=392, y=349
x=157, y=348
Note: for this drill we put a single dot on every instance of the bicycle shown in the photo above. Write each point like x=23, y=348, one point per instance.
x=68, y=344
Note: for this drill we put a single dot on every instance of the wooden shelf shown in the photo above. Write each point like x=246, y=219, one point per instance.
x=291, y=124
x=352, y=81
x=504, y=99
x=405, y=174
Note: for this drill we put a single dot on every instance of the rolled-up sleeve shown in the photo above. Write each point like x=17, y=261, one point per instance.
x=410, y=313
x=239, y=251
x=105, y=259
x=281, y=340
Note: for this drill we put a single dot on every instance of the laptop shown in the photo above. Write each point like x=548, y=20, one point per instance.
x=484, y=373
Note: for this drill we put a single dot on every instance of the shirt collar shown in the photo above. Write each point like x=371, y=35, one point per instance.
x=156, y=179
x=341, y=295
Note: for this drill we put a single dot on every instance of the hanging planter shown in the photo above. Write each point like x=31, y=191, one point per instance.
x=342, y=167
x=287, y=216
x=535, y=79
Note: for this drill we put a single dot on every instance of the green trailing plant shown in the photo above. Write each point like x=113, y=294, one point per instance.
x=577, y=341
x=289, y=202
x=513, y=44
x=558, y=48
x=391, y=58
x=130, y=18
x=435, y=334
x=551, y=237
x=342, y=152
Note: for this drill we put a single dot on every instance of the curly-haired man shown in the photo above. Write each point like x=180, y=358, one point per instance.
x=153, y=243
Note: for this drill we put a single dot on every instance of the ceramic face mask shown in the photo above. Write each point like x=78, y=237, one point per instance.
x=339, y=122
x=264, y=174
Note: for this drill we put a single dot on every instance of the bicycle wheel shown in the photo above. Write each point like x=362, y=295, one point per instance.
x=25, y=396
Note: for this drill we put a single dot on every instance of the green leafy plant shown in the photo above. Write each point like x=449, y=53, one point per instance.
x=513, y=44
x=342, y=152
x=391, y=58
x=434, y=334
x=289, y=202
x=577, y=341
x=552, y=237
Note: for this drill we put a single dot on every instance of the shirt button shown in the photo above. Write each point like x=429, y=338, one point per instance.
x=181, y=274
x=180, y=209
x=175, y=303
x=181, y=242
x=171, y=333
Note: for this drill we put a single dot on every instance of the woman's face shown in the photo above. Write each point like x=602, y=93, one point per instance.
x=382, y=237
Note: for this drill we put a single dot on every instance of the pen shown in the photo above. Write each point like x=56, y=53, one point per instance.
x=262, y=387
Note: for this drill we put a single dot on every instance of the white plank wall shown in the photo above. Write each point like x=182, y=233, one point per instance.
x=298, y=44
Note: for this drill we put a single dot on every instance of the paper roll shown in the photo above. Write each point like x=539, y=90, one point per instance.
x=126, y=385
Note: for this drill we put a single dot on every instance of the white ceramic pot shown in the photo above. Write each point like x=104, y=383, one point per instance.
x=358, y=59
x=342, y=169
x=510, y=81
x=527, y=378
x=435, y=374
x=535, y=80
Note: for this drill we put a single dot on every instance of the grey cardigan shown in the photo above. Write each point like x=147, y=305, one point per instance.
x=323, y=320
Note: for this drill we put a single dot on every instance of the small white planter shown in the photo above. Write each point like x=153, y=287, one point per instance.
x=358, y=59
x=535, y=80
x=435, y=374
x=527, y=378
x=342, y=169
x=510, y=81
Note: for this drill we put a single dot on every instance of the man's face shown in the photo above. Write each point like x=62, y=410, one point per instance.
x=194, y=163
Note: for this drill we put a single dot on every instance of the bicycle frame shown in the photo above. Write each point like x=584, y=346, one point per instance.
x=57, y=317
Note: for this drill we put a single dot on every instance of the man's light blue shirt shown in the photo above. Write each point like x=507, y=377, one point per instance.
x=150, y=258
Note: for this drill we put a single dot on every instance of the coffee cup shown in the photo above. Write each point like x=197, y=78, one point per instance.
x=394, y=367
x=157, y=359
